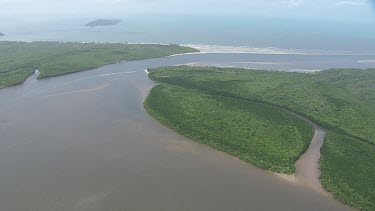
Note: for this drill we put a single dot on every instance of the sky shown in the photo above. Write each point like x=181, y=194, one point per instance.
x=338, y=10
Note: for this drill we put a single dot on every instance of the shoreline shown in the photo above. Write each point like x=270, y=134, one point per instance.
x=214, y=168
x=220, y=49
x=307, y=167
x=295, y=179
x=280, y=176
x=90, y=68
x=308, y=172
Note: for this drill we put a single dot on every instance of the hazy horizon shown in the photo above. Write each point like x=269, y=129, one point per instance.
x=360, y=11
x=345, y=25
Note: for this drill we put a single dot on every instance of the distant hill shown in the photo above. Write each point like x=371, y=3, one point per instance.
x=103, y=22
x=1, y=34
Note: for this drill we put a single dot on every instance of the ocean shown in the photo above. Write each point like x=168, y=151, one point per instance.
x=352, y=37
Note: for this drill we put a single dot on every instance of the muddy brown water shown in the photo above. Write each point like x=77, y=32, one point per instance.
x=307, y=166
x=84, y=142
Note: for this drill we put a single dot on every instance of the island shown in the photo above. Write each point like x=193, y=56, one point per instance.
x=103, y=22
x=18, y=60
x=251, y=114
x=1, y=34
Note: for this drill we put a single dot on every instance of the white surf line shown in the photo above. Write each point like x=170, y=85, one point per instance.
x=366, y=61
x=40, y=91
x=103, y=75
x=79, y=91
x=182, y=54
x=189, y=64
x=96, y=76
x=264, y=63
x=146, y=70
x=200, y=64
x=265, y=50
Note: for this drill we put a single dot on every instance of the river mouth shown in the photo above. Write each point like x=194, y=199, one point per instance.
x=84, y=142
x=307, y=166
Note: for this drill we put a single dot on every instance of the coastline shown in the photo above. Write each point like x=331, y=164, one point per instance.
x=119, y=62
x=281, y=176
x=312, y=183
x=222, y=49
x=206, y=166
x=266, y=50
x=302, y=166
x=307, y=173
x=93, y=67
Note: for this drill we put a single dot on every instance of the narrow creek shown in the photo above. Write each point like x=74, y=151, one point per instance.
x=307, y=166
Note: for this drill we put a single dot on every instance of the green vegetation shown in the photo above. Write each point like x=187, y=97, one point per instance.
x=55, y=58
x=264, y=136
x=348, y=167
x=15, y=77
x=339, y=100
x=342, y=101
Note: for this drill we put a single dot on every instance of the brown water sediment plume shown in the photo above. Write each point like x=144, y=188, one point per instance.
x=307, y=167
x=97, y=149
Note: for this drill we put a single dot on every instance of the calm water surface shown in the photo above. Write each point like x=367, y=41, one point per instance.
x=213, y=30
x=84, y=142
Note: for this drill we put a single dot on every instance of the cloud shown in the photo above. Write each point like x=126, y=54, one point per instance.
x=292, y=3
x=352, y=3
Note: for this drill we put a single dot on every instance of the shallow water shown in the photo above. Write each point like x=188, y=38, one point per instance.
x=84, y=142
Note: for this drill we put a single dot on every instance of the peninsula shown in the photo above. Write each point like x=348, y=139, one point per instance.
x=18, y=60
x=244, y=113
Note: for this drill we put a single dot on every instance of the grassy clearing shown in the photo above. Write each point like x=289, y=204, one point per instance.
x=55, y=58
x=266, y=137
